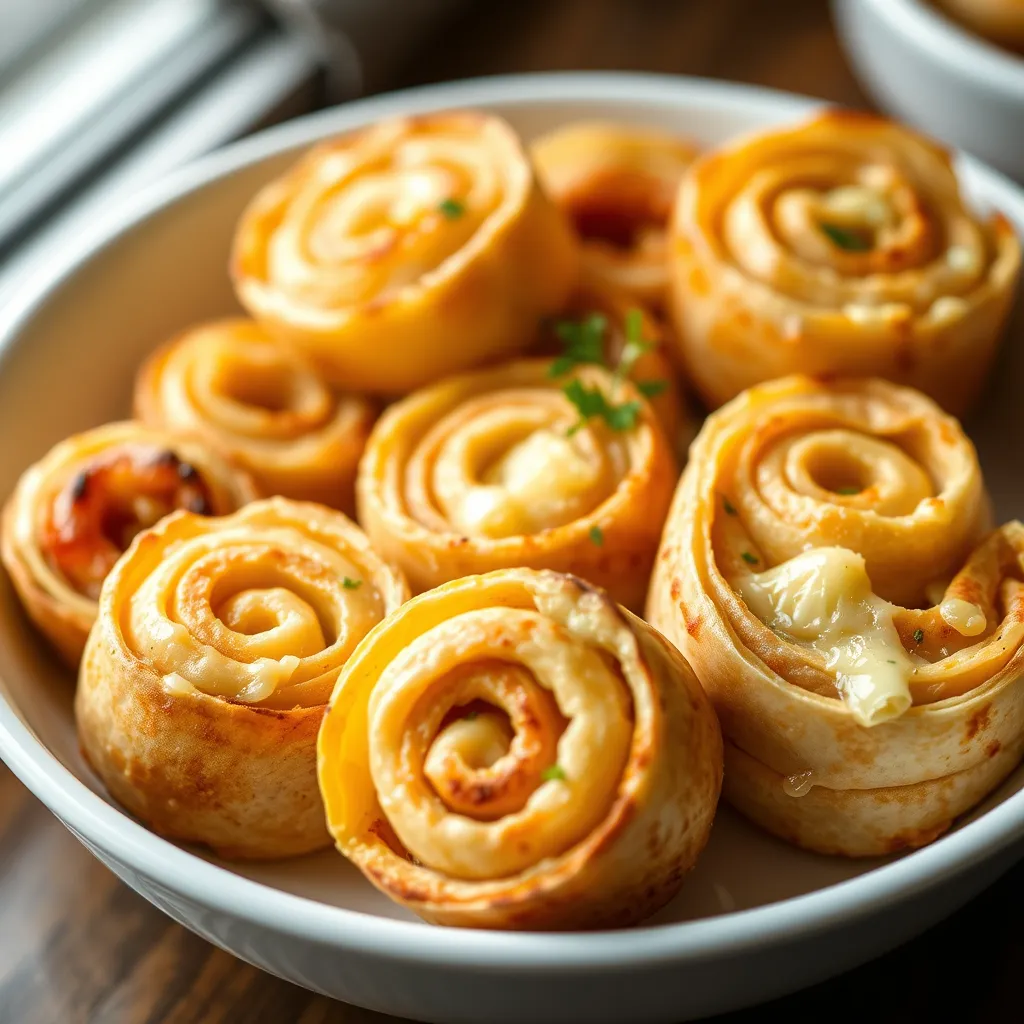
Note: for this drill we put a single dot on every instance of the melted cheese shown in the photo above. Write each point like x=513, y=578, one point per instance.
x=877, y=316
x=966, y=618
x=948, y=307
x=542, y=482
x=822, y=599
x=177, y=686
x=959, y=257
x=858, y=204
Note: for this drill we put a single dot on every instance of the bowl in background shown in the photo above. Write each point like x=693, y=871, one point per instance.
x=924, y=68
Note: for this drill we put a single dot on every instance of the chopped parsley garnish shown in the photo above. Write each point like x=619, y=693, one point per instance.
x=918, y=635
x=844, y=238
x=583, y=341
x=635, y=345
x=471, y=716
x=890, y=661
x=730, y=508
x=597, y=535
x=452, y=208
x=593, y=402
x=553, y=771
x=749, y=558
x=351, y=584
x=848, y=490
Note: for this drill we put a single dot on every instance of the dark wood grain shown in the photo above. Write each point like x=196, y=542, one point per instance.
x=78, y=946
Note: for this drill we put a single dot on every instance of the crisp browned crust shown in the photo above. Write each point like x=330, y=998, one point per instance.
x=649, y=826
x=916, y=289
x=800, y=761
x=406, y=504
x=484, y=274
x=162, y=711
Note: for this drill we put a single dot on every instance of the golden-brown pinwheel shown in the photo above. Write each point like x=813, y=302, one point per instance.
x=498, y=468
x=232, y=385
x=828, y=570
x=75, y=511
x=516, y=751
x=617, y=183
x=840, y=246
x=205, y=677
x=397, y=254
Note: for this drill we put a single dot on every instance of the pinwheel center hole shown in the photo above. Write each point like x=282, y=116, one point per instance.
x=269, y=387
x=616, y=208
x=488, y=733
x=853, y=216
x=253, y=600
x=840, y=474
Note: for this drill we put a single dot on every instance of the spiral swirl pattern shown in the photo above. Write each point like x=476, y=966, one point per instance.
x=427, y=234
x=495, y=748
x=263, y=607
x=828, y=569
x=239, y=390
x=488, y=471
x=840, y=246
x=204, y=681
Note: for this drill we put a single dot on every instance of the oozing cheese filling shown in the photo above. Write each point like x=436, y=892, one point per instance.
x=544, y=481
x=858, y=205
x=966, y=618
x=822, y=599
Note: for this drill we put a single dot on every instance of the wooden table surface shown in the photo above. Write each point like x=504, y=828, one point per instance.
x=78, y=945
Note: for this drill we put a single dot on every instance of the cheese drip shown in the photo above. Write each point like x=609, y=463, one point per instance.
x=966, y=618
x=822, y=599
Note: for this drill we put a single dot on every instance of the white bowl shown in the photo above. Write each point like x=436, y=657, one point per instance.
x=923, y=67
x=757, y=918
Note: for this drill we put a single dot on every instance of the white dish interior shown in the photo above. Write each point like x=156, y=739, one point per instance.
x=70, y=348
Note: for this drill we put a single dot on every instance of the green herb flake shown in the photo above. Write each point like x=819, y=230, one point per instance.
x=848, y=490
x=597, y=535
x=730, y=508
x=635, y=345
x=918, y=635
x=651, y=388
x=582, y=341
x=350, y=584
x=452, y=208
x=890, y=661
x=844, y=238
x=750, y=559
x=622, y=417
x=553, y=772
x=592, y=402
x=471, y=716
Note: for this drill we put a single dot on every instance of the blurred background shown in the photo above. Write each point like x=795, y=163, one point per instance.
x=98, y=97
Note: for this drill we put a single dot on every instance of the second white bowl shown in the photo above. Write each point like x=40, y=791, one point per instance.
x=923, y=68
